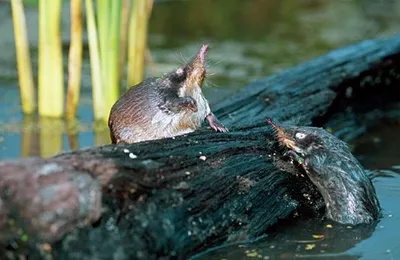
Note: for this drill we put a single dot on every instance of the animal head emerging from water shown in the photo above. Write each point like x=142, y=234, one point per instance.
x=348, y=192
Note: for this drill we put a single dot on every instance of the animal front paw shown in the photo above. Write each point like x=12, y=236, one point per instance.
x=294, y=156
x=189, y=103
x=216, y=124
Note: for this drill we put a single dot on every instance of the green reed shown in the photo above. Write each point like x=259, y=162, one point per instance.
x=108, y=24
x=137, y=40
x=50, y=75
x=23, y=58
x=97, y=90
x=75, y=59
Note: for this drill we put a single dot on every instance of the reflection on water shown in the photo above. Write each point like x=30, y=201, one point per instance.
x=72, y=133
x=51, y=132
x=101, y=135
x=29, y=138
x=45, y=137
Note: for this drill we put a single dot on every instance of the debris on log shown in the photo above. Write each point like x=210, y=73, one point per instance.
x=177, y=197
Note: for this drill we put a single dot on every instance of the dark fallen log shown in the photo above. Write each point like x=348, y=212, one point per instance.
x=177, y=197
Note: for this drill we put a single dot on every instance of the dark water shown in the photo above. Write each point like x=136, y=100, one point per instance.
x=249, y=39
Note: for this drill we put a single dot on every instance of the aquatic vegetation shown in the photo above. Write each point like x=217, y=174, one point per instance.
x=75, y=59
x=108, y=25
x=138, y=40
x=23, y=57
x=94, y=61
x=50, y=74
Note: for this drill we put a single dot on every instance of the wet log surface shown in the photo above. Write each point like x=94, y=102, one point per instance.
x=178, y=197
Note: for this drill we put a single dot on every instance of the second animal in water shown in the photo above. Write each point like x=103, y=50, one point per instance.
x=349, y=194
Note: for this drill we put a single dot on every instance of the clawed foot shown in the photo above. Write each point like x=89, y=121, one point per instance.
x=215, y=124
x=294, y=156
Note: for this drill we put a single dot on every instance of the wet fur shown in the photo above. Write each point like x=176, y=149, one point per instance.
x=349, y=194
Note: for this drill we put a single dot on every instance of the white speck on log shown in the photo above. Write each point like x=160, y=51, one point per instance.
x=132, y=156
x=49, y=168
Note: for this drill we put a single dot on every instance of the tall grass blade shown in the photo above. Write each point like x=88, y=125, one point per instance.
x=23, y=58
x=111, y=87
x=51, y=92
x=103, y=34
x=95, y=65
x=125, y=13
x=137, y=41
x=75, y=59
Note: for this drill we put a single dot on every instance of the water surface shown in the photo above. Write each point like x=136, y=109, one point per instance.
x=249, y=40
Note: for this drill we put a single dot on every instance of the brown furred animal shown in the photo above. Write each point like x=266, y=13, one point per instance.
x=164, y=107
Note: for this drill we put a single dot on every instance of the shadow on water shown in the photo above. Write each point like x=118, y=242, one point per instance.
x=249, y=40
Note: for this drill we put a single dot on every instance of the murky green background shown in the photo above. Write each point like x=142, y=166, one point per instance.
x=249, y=39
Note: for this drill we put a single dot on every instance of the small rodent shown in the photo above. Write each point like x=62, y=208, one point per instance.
x=348, y=192
x=164, y=107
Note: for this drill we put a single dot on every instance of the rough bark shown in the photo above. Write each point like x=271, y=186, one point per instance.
x=181, y=196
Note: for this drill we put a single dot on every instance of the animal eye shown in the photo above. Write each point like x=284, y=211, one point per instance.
x=300, y=135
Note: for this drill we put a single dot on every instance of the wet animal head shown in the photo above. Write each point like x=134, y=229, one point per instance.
x=348, y=192
x=306, y=140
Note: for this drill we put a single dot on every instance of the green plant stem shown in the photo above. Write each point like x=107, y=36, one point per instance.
x=23, y=58
x=95, y=65
x=125, y=13
x=103, y=24
x=137, y=41
x=51, y=93
x=111, y=88
x=75, y=59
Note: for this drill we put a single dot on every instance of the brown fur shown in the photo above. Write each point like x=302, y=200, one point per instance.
x=155, y=108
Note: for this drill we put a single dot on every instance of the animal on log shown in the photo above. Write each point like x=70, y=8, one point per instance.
x=176, y=197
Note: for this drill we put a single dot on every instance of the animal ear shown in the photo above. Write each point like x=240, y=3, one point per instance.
x=179, y=74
